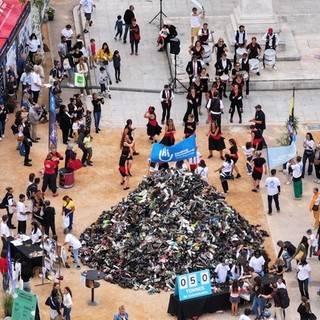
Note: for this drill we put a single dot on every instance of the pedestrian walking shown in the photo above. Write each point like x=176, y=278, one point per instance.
x=118, y=27
x=304, y=310
x=117, y=64
x=67, y=303
x=314, y=207
x=248, y=151
x=304, y=276
x=225, y=172
x=127, y=17
x=234, y=156
x=192, y=105
x=273, y=190
x=87, y=6
x=259, y=167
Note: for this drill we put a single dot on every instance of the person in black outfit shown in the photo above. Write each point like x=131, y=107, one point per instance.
x=27, y=143
x=236, y=101
x=127, y=17
x=259, y=118
x=97, y=102
x=4, y=115
x=223, y=67
x=81, y=146
x=166, y=97
x=244, y=66
x=65, y=123
x=192, y=100
x=193, y=69
x=304, y=309
x=48, y=218
x=289, y=253
x=5, y=205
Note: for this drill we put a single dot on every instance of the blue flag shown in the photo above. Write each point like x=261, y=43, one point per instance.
x=184, y=149
x=279, y=155
x=52, y=121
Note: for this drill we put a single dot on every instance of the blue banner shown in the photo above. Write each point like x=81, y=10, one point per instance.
x=184, y=149
x=280, y=155
x=52, y=121
x=10, y=269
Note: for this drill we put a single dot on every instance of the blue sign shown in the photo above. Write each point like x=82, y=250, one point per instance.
x=184, y=149
x=53, y=140
x=280, y=155
x=193, y=285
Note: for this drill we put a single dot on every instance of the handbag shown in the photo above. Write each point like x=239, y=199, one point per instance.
x=79, y=80
x=299, y=255
x=20, y=138
x=315, y=207
x=65, y=222
x=312, y=316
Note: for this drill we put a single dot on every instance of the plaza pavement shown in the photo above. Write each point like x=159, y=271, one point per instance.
x=150, y=71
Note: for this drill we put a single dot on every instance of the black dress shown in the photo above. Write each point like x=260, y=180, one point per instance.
x=192, y=107
x=153, y=127
x=216, y=142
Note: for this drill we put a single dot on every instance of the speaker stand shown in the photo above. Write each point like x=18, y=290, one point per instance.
x=174, y=81
x=161, y=14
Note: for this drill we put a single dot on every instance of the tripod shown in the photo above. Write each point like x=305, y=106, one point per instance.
x=174, y=81
x=161, y=14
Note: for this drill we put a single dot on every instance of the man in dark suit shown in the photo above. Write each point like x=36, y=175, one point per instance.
x=193, y=68
x=166, y=97
x=223, y=66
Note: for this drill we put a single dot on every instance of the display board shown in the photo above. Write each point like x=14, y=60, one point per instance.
x=193, y=285
x=24, y=305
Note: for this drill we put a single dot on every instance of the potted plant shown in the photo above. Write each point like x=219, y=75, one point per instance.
x=50, y=13
x=7, y=303
x=284, y=139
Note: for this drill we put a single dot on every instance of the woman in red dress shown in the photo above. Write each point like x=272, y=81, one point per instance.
x=153, y=127
x=168, y=138
x=215, y=140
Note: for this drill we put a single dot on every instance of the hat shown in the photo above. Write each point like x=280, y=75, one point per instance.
x=258, y=106
x=270, y=30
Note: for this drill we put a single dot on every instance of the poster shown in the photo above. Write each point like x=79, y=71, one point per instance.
x=11, y=58
x=24, y=305
x=24, y=33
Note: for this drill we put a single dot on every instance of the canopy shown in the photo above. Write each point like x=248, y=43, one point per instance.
x=10, y=13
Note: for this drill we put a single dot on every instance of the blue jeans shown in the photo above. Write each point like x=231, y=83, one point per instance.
x=2, y=127
x=287, y=260
x=258, y=303
x=126, y=29
x=66, y=313
x=97, y=117
x=249, y=168
x=76, y=256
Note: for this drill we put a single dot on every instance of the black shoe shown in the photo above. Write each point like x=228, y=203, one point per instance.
x=38, y=138
x=258, y=73
x=28, y=164
x=124, y=41
x=90, y=23
x=225, y=96
x=29, y=160
x=270, y=213
x=34, y=141
x=85, y=31
x=117, y=81
x=278, y=210
x=97, y=131
x=238, y=176
x=110, y=82
x=12, y=227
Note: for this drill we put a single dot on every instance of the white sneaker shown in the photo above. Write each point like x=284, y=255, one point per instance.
x=274, y=67
x=3, y=136
x=262, y=67
x=0, y=139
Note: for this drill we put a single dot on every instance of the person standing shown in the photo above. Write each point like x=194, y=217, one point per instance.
x=73, y=242
x=195, y=23
x=314, y=207
x=259, y=119
x=166, y=97
x=116, y=65
x=223, y=67
x=122, y=314
x=215, y=140
x=235, y=98
x=308, y=154
x=192, y=105
x=10, y=205
x=48, y=217
x=272, y=40
x=24, y=128
x=55, y=305
x=215, y=108
x=34, y=116
x=273, y=190
x=87, y=6
x=22, y=214
x=36, y=83
x=33, y=45
x=193, y=68
x=234, y=299
x=67, y=303
x=119, y=27
x=244, y=66
x=304, y=309
x=225, y=172
x=104, y=56
x=5, y=233
x=153, y=127
x=26, y=275
x=254, y=50
x=127, y=17
x=135, y=36
x=4, y=270
x=97, y=110
x=68, y=209
x=303, y=276
x=259, y=167
x=302, y=249
x=49, y=175
x=4, y=116
x=296, y=167
x=240, y=40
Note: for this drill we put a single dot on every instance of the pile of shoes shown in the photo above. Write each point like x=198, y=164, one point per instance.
x=171, y=224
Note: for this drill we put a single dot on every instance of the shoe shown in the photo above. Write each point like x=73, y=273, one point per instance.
x=127, y=188
x=162, y=122
x=274, y=67
x=124, y=41
x=258, y=73
x=71, y=85
x=78, y=267
x=34, y=141
x=55, y=195
x=225, y=96
x=12, y=227
x=210, y=156
x=38, y=138
x=136, y=53
x=97, y=131
x=238, y=176
x=240, y=121
x=85, y=31
x=249, y=173
x=110, y=82
x=278, y=210
x=136, y=153
x=254, y=190
x=131, y=53
x=28, y=165
x=109, y=96
x=29, y=160
x=89, y=164
x=231, y=120
x=115, y=38
x=117, y=81
x=122, y=183
x=269, y=213
x=90, y=23
x=222, y=157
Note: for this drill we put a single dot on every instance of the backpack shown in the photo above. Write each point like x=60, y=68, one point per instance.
x=284, y=300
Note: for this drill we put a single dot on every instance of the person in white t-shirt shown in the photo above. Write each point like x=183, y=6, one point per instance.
x=87, y=6
x=68, y=33
x=194, y=162
x=222, y=271
x=297, y=170
x=195, y=23
x=73, y=242
x=257, y=263
x=245, y=314
x=202, y=170
x=36, y=83
x=225, y=172
x=273, y=190
x=35, y=233
x=22, y=214
x=5, y=233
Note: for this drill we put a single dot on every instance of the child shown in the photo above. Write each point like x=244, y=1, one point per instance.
x=313, y=242
x=116, y=64
x=234, y=297
x=104, y=83
x=88, y=119
x=193, y=162
x=119, y=27
x=248, y=151
x=87, y=144
x=92, y=53
x=164, y=32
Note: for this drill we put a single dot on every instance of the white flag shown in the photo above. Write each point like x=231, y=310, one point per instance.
x=198, y=4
